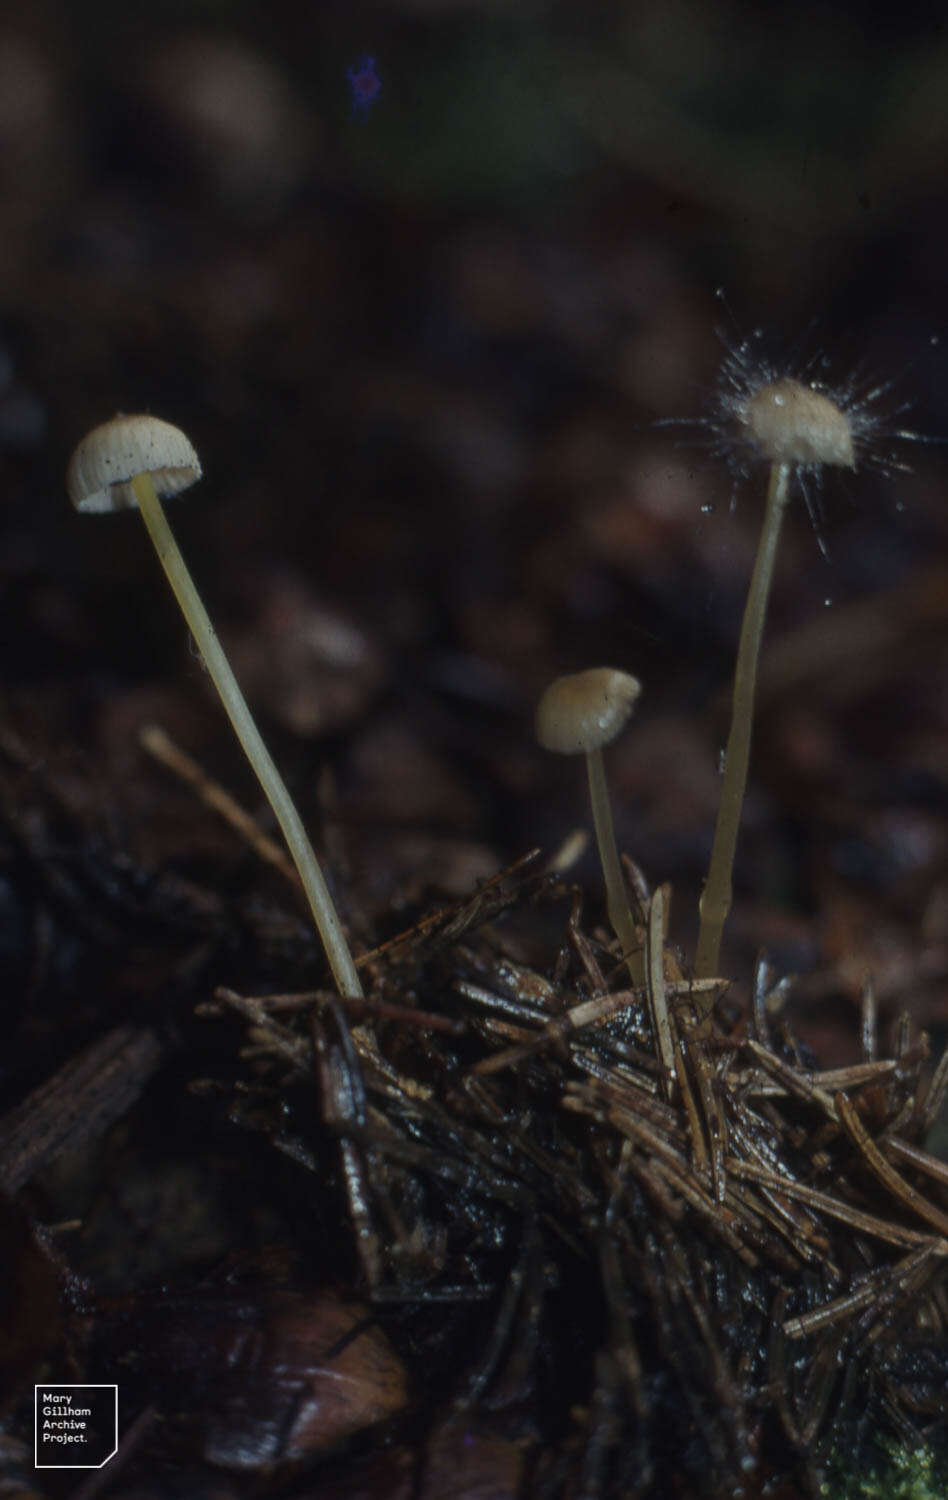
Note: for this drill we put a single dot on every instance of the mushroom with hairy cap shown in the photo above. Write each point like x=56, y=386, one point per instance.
x=128, y=463
x=792, y=426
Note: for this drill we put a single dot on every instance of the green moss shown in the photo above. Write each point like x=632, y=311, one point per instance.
x=905, y=1474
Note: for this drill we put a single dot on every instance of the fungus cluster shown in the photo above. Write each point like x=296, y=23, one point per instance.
x=795, y=428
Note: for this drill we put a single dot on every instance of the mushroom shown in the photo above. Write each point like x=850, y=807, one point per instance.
x=579, y=714
x=793, y=427
x=126, y=464
x=792, y=423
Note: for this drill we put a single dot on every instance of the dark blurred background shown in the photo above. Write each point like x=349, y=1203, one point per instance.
x=422, y=350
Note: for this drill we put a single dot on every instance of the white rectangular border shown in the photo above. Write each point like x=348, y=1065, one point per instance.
x=72, y=1385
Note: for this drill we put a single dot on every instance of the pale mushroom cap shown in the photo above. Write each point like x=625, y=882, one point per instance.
x=110, y=456
x=585, y=710
x=790, y=423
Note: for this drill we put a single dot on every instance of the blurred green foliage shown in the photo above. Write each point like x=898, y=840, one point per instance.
x=906, y=1474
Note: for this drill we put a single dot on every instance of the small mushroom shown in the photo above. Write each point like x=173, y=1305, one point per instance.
x=576, y=715
x=126, y=464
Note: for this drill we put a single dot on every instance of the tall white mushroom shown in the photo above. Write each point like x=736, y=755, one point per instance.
x=579, y=714
x=127, y=464
x=792, y=426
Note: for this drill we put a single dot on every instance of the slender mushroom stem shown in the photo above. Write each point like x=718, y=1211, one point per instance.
x=580, y=713
x=716, y=897
x=617, y=900
x=324, y=913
